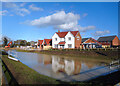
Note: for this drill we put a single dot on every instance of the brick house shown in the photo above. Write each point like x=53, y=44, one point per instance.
x=47, y=44
x=90, y=43
x=44, y=44
x=69, y=39
x=109, y=41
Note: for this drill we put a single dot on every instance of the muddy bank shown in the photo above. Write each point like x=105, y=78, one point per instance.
x=101, y=54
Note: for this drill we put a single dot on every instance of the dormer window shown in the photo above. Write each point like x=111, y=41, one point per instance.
x=69, y=38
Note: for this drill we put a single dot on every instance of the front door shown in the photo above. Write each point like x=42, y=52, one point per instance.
x=62, y=46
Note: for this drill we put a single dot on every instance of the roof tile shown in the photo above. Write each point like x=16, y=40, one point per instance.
x=63, y=34
x=40, y=41
x=47, y=40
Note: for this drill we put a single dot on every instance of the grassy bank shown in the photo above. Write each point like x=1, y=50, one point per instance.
x=95, y=54
x=25, y=75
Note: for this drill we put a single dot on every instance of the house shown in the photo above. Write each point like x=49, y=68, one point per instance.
x=90, y=43
x=33, y=44
x=40, y=44
x=69, y=39
x=47, y=44
x=109, y=41
x=44, y=44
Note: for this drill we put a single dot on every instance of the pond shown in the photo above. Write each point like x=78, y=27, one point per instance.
x=58, y=67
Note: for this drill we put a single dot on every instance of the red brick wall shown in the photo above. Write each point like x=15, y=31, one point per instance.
x=115, y=41
x=78, y=42
x=89, y=41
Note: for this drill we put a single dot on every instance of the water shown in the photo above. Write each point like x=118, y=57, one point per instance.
x=58, y=67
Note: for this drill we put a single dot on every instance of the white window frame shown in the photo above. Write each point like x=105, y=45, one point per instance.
x=56, y=46
x=69, y=46
x=69, y=38
x=55, y=39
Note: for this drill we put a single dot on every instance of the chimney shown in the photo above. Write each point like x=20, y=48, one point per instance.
x=58, y=30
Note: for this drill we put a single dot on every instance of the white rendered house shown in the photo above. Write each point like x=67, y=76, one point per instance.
x=69, y=39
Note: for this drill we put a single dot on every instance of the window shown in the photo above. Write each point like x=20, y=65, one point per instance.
x=69, y=45
x=55, y=39
x=69, y=38
x=78, y=37
x=56, y=46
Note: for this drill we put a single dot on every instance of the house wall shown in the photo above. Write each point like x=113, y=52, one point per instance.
x=47, y=47
x=69, y=34
x=115, y=41
x=72, y=41
x=54, y=41
x=78, y=40
x=62, y=39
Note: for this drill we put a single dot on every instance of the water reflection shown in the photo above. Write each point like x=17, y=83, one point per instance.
x=55, y=66
x=63, y=65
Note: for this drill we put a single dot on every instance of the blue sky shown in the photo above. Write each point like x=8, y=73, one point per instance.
x=39, y=20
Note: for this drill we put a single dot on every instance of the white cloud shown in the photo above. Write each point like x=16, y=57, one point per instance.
x=32, y=7
x=84, y=29
x=4, y=12
x=60, y=20
x=22, y=5
x=17, y=9
x=22, y=11
x=85, y=14
x=101, y=33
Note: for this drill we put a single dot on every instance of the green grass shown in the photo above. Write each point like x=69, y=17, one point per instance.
x=25, y=75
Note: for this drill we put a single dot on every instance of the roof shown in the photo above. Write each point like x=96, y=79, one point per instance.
x=96, y=41
x=106, y=38
x=61, y=43
x=40, y=41
x=63, y=34
x=74, y=33
x=47, y=41
x=85, y=39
